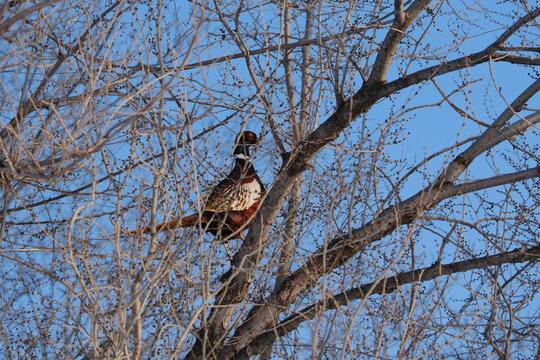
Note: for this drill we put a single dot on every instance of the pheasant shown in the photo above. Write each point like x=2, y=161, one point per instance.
x=230, y=207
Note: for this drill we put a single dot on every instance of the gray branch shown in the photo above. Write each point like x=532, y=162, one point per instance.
x=384, y=286
x=237, y=281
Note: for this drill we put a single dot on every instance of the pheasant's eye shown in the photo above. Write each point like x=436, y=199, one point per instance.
x=251, y=136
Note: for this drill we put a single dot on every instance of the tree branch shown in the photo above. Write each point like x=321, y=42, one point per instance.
x=4, y=26
x=492, y=136
x=388, y=47
x=26, y=106
x=344, y=247
x=462, y=62
x=240, y=275
x=385, y=286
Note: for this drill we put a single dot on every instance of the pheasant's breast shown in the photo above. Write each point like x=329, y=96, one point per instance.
x=248, y=194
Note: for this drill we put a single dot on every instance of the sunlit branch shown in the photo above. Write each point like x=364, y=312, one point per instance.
x=124, y=169
x=241, y=55
x=341, y=249
x=4, y=26
x=385, y=286
x=489, y=53
x=393, y=38
x=26, y=106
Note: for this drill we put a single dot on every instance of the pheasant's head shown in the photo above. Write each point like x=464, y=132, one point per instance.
x=243, y=141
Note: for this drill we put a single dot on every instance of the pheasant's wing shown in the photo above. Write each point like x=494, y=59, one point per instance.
x=220, y=198
x=231, y=195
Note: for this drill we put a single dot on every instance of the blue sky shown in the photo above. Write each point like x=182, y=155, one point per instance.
x=426, y=131
x=209, y=97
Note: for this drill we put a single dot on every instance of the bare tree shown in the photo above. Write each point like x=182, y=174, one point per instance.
x=400, y=153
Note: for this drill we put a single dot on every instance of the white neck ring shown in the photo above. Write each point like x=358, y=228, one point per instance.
x=242, y=156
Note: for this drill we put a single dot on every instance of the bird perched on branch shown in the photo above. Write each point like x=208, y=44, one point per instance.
x=230, y=207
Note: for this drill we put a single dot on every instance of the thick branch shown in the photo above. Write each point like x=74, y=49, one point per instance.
x=245, y=260
x=492, y=136
x=514, y=59
x=489, y=53
x=388, y=48
x=344, y=247
x=385, y=286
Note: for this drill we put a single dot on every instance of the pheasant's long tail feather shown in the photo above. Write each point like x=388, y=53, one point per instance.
x=188, y=221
